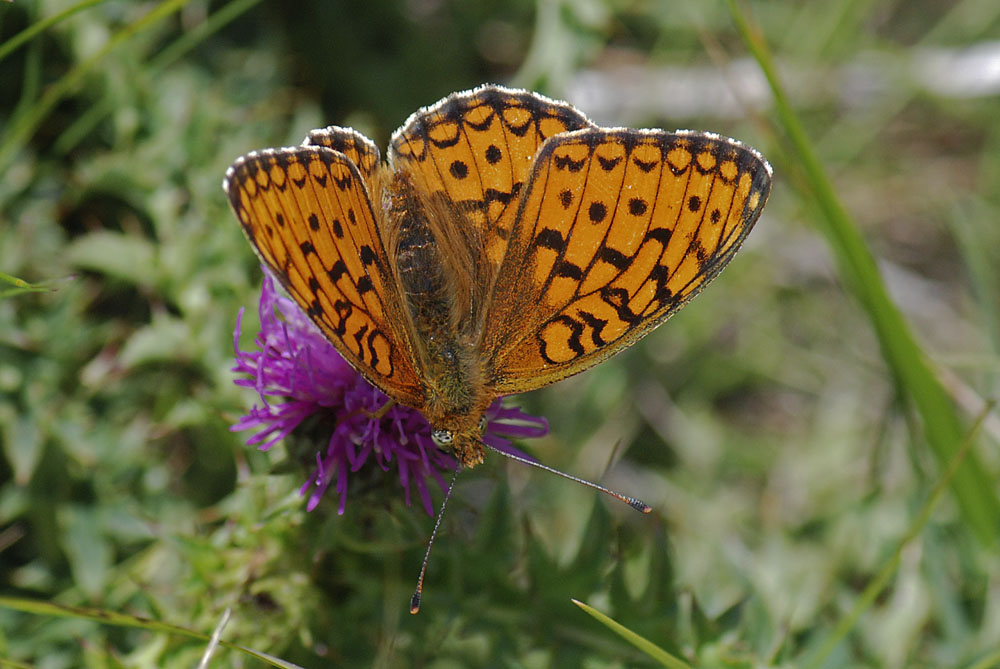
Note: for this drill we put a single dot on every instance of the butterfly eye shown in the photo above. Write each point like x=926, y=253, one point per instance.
x=483, y=423
x=442, y=438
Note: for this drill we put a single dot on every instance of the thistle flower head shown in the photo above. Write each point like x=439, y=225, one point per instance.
x=298, y=374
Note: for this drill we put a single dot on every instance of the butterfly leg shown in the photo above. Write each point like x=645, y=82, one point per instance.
x=378, y=414
x=382, y=411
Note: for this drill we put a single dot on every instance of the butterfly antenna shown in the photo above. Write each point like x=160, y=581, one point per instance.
x=636, y=504
x=415, y=599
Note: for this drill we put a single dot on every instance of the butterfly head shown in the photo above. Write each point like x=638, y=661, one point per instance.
x=463, y=444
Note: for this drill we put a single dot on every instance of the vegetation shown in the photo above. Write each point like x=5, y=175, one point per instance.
x=815, y=432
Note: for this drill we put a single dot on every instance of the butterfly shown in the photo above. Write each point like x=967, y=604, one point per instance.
x=508, y=242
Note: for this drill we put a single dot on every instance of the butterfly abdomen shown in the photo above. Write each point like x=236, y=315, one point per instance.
x=446, y=356
x=418, y=261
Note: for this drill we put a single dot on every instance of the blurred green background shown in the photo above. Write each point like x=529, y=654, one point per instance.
x=783, y=427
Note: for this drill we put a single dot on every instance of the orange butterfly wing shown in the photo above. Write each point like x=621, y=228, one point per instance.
x=356, y=147
x=617, y=230
x=308, y=213
x=593, y=236
x=476, y=150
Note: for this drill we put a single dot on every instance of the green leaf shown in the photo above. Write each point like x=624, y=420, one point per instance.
x=87, y=549
x=22, y=444
x=166, y=339
x=122, y=256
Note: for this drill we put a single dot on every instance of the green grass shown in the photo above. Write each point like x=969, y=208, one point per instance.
x=806, y=430
x=942, y=425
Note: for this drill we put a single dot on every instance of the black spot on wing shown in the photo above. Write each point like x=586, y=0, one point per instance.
x=368, y=256
x=617, y=298
x=343, y=310
x=596, y=326
x=443, y=142
x=568, y=270
x=613, y=257
x=573, y=342
x=494, y=195
x=338, y=270
x=315, y=309
x=345, y=183
x=643, y=165
x=481, y=126
x=375, y=337
x=550, y=239
x=459, y=169
x=567, y=163
x=597, y=212
x=608, y=164
x=661, y=235
x=301, y=181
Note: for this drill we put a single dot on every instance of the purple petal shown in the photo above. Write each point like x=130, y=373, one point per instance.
x=297, y=374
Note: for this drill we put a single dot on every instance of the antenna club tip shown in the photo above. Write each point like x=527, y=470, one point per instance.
x=639, y=505
x=415, y=604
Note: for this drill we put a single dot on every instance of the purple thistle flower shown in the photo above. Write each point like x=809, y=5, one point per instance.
x=298, y=374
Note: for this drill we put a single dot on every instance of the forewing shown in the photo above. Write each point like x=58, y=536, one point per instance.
x=617, y=231
x=307, y=212
x=359, y=149
x=475, y=150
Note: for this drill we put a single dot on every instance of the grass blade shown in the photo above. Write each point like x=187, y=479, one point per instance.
x=25, y=125
x=125, y=620
x=25, y=35
x=881, y=580
x=971, y=484
x=643, y=644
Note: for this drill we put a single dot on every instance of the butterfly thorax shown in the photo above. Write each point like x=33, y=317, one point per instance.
x=431, y=282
